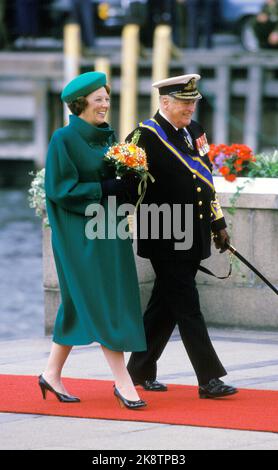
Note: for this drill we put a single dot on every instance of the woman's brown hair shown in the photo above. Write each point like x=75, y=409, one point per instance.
x=79, y=105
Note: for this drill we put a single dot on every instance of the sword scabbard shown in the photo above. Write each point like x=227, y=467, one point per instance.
x=250, y=266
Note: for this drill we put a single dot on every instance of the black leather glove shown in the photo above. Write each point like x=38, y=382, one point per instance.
x=221, y=238
x=118, y=187
x=112, y=187
x=131, y=181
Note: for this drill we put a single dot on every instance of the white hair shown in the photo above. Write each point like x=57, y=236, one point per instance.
x=161, y=99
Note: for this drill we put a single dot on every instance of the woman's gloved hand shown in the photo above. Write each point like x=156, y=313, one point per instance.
x=112, y=187
x=118, y=187
x=131, y=181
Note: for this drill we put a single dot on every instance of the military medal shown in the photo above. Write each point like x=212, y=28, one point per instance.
x=202, y=145
x=185, y=135
x=188, y=142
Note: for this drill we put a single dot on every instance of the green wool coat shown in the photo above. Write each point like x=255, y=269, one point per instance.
x=97, y=277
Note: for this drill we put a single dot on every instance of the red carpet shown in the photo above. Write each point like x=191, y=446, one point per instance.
x=255, y=410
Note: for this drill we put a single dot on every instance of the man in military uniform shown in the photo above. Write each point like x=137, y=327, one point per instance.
x=176, y=148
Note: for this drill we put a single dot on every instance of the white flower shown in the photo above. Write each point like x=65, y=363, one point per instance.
x=36, y=196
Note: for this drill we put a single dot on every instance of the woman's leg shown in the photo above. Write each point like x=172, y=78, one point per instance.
x=122, y=378
x=56, y=361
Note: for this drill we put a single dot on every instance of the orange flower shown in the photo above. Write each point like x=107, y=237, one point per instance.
x=224, y=170
x=212, y=152
x=230, y=177
x=130, y=161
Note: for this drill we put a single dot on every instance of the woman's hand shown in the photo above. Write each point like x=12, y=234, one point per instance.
x=112, y=187
x=118, y=187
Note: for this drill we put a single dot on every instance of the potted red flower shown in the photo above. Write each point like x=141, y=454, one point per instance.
x=231, y=161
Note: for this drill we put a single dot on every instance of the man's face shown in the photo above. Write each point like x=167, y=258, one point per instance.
x=179, y=112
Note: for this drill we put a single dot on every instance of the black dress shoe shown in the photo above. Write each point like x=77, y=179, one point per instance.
x=216, y=389
x=152, y=385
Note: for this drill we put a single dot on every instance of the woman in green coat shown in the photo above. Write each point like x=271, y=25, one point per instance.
x=97, y=274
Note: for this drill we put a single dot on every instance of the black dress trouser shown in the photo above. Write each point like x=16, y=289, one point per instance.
x=175, y=301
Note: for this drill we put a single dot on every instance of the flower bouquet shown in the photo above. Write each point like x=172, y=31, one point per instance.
x=231, y=160
x=128, y=157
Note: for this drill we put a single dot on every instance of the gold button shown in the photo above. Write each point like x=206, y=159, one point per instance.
x=199, y=189
x=194, y=176
x=201, y=216
x=200, y=203
x=211, y=214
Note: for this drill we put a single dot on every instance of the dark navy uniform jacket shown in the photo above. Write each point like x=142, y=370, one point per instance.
x=176, y=184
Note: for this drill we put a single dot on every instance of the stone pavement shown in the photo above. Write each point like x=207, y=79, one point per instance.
x=249, y=356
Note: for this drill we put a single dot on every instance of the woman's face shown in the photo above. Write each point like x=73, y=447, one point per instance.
x=98, y=105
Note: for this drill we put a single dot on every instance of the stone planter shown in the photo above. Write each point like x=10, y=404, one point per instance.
x=52, y=297
x=240, y=301
x=244, y=300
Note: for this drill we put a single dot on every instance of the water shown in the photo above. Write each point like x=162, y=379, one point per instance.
x=21, y=275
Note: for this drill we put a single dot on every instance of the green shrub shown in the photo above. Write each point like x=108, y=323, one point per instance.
x=265, y=166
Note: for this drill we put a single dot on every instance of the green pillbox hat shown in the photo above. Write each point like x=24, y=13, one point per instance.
x=83, y=85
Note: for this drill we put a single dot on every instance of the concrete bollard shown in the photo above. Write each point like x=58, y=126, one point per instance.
x=128, y=96
x=161, y=57
x=103, y=65
x=72, y=51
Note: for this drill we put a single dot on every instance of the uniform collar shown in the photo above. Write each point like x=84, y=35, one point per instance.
x=166, y=119
x=173, y=134
x=176, y=128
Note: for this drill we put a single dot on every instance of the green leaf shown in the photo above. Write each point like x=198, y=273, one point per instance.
x=136, y=137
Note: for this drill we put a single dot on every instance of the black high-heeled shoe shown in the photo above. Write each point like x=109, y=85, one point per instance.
x=45, y=387
x=131, y=405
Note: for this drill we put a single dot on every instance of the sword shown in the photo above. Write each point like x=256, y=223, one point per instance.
x=250, y=266
x=233, y=251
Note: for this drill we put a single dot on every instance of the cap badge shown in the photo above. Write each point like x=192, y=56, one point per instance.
x=191, y=85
